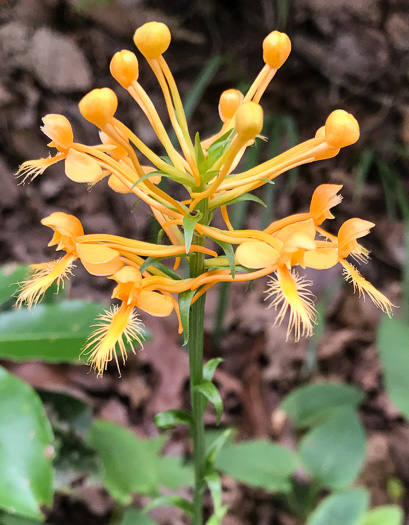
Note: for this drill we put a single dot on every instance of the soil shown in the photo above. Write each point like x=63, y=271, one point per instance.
x=350, y=55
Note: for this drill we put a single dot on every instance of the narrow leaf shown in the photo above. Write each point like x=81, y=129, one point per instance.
x=213, y=482
x=200, y=157
x=210, y=367
x=228, y=250
x=210, y=392
x=171, y=501
x=171, y=418
x=245, y=197
x=185, y=299
x=216, y=447
x=189, y=223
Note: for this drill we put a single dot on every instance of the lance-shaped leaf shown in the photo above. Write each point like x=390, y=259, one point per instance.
x=185, y=299
x=228, y=250
x=210, y=392
x=345, y=508
x=189, y=223
x=171, y=501
x=171, y=418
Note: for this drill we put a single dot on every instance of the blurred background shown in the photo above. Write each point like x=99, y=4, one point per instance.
x=349, y=55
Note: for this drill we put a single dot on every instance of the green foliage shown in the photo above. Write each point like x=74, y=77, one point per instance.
x=189, y=223
x=259, y=464
x=26, y=480
x=345, y=508
x=136, y=517
x=386, y=515
x=334, y=452
x=134, y=466
x=312, y=404
x=171, y=418
x=53, y=333
x=10, y=276
x=210, y=392
x=393, y=346
x=229, y=252
x=171, y=501
x=185, y=300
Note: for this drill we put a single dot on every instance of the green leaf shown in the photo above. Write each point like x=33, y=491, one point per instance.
x=171, y=418
x=171, y=501
x=334, y=452
x=134, y=466
x=393, y=348
x=10, y=276
x=189, y=223
x=136, y=517
x=210, y=392
x=312, y=404
x=210, y=367
x=52, y=333
x=228, y=250
x=216, y=447
x=258, y=464
x=26, y=480
x=345, y=508
x=200, y=157
x=185, y=299
x=146, y=176
x=243, y=198
x=386, y=515
x=219, y=147
x=10, y=519
x=213, y=482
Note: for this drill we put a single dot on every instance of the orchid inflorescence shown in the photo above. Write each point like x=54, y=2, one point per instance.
x=206, y=172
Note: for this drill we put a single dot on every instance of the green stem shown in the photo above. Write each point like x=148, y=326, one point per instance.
x=196, y=332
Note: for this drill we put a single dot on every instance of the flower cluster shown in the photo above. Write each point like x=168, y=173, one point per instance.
x=206, y=171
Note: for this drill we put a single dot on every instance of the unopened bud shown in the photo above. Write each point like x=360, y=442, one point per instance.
x=229, y=102
x=249, y=121
x=59, y=130
x=341, y=129
x=276, y=48
x=99, y=106
x=152, y=39
x=124, y=67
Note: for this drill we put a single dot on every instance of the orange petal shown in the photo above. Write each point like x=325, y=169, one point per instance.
x=98, y=259
x=351, y=230
x=307, y=227
x=155, y=303
x=80, y=167
x=118, y=186
x=324, y=198
x=64, y=224
x=321, y=259
x=299, y=240
x=256, y=254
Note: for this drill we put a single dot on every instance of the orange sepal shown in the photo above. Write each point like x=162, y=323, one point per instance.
x=256, y=254
x=154, y=303
x=80, y=167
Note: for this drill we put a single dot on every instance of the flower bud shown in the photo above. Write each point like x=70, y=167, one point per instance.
x=249, y=121
x=99, y=106
x=341, y=129
x=276, y=48
x=229, y=102
x=59, y=130
x=152, y=39
x=124, y=67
